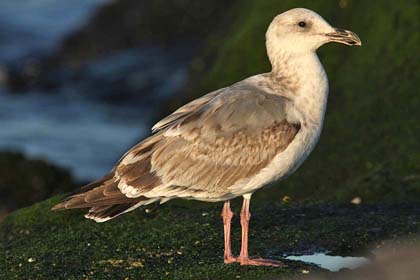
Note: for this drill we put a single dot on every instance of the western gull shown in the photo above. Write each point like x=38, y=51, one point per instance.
x=232, y=141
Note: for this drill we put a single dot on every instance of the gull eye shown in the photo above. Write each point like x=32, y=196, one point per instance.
x=302, y=24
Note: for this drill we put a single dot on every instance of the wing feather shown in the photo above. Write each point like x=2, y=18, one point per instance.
x=210, y=144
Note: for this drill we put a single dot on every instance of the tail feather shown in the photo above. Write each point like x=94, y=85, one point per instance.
x=105, y=213
x=77, y=198
x=103, y=181
x=104, y=199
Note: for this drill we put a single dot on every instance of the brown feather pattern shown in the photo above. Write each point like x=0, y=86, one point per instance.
x=198, y=152
x=202, y=150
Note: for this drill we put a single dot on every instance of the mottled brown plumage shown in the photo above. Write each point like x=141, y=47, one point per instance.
x=197, y=152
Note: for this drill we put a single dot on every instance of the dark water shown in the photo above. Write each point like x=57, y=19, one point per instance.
x=72, y=126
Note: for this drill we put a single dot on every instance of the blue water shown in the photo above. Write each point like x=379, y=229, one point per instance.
x=27, y=26
x=85, y=136
x=71, y=126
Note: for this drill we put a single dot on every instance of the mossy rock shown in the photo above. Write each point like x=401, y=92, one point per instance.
x=185, y=240
x=25, y=181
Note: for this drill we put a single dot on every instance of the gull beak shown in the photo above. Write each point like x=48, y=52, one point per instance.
x=344, y=37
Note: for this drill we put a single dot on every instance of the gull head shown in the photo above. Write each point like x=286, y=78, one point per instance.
x=300, y=31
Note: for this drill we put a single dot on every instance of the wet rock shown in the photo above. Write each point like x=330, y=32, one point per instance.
x=30, y=72
x=136, y=76
x=396, y=261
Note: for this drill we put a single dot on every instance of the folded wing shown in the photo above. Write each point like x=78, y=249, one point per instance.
x=197, y=152
x=208, y=145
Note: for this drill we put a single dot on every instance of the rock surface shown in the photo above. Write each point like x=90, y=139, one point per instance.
x=185, y=240
x=26, y=181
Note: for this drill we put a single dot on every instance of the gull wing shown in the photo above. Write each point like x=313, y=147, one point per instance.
x=208, y=145
x=197, y=152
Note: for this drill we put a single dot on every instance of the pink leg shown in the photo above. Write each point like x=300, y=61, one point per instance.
x=227, y=215
x=244, y=258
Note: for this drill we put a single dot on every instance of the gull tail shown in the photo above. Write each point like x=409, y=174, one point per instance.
x=104, y=199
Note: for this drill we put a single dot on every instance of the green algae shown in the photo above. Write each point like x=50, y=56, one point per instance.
x=185, y=240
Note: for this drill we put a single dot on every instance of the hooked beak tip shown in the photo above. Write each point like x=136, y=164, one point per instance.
x=344, y=37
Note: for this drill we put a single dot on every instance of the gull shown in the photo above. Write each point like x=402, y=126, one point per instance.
x=232, y=141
